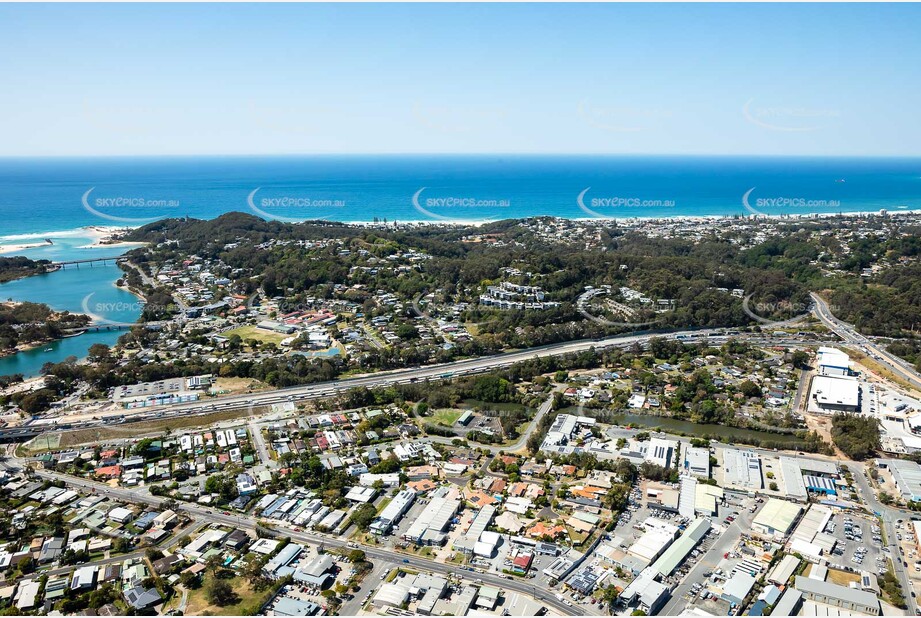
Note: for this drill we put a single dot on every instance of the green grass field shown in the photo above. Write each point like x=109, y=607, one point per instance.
x=446, y=416
x=251, y=332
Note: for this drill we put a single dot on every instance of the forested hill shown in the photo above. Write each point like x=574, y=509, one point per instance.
x=690, y=271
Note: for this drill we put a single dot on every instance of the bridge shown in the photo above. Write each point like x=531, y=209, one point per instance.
x=102, y=327
x=98, y=328
x=90, y=261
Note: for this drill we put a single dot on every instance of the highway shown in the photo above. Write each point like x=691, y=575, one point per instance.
x=904, y=370
x=385, y=378
x=208, y=515
x=372, y=380
x=898, y=366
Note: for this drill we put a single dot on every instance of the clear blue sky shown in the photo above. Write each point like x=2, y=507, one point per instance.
x=781, y=79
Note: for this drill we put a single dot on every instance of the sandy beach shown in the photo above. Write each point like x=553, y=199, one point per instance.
x=99, y=236
x=23, y=247
x=107, y=237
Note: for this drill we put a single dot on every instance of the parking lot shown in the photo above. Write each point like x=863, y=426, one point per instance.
x=859, y=544
x=908, y=547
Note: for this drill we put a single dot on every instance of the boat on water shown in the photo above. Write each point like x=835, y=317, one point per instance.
x=49, y=349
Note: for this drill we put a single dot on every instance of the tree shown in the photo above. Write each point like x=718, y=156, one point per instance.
x=356, y=556
x=363, y=516
x=221, y=593
x=799, y=358
x=857, y=436
x=121, y=545
x=98, y=352
x=214, y=563
x=610, y=596
x=750, y=389
x=773, y=486
x=189, y=580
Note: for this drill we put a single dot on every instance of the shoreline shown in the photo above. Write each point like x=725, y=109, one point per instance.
x=99, y=237
x=4, y=249
x=108, y=236
x=676, y=218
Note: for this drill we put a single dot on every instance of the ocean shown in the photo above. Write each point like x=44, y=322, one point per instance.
x=58, y=198
x=42, y=195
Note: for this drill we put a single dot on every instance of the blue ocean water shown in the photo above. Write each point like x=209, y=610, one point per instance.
x=40, y=195
x=58, y=198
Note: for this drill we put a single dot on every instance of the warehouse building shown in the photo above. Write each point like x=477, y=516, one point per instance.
x=832, y=394
x=672, y=557
x=429, y=527
x=466, y=543
x=907, y=477
x=742, y=469
x=697, y=462
x=792, y=475
x=645, y=593
x=833, y=362
x=662, y=452
x=843, y=597
x=784, y=570
x=393, y=512
x=658, y=536
x=789, y=603
x=776, y=518
x=737, y=587
x=391, y=595
x=820, y=484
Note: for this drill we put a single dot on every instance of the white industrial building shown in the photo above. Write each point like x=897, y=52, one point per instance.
x=645, y=592
x=697, y=462
x=792, y=477
x=662, y=452
x=843, y=597
x=429, y=526
x=833, y=362
x=468, y=543
x=361, y=494
x=393, y=512
x=832, y=394
x=658, y=536
x=742, y=469
x=672, y=557
x=784, y=570
x=391, y=595
x=776, y=518
x=906, y=475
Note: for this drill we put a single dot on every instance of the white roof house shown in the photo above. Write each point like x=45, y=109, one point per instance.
x=120, y=515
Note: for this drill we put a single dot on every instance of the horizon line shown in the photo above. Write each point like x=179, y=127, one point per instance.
x=457, y=154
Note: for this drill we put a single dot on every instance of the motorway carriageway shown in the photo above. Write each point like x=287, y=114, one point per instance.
x=399, y=376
